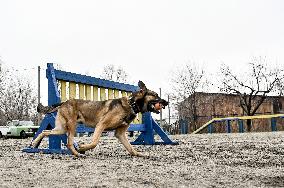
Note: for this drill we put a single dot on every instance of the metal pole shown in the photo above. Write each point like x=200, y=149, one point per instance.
x=161, y=116
x=169, y=109
x=38, y=79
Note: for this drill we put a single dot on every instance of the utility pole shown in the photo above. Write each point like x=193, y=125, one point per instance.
x=161, y=116
x=38, y=93
x=38, y=89
x=169, y=110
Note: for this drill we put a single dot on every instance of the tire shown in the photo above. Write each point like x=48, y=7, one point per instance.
x=23, y=135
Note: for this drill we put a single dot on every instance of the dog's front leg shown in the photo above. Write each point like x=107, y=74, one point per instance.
x=120, y=133
x=96, y=137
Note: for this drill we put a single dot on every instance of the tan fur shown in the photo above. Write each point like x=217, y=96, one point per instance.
x=113, y=114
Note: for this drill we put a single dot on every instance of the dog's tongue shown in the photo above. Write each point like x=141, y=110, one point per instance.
x=160, y=106
x=153, y=108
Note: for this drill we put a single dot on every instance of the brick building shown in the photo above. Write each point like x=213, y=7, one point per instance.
x=202, y=107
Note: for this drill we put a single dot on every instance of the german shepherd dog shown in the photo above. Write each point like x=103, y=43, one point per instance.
x=112, y=114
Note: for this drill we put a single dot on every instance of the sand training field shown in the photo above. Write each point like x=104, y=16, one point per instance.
x=204, y=160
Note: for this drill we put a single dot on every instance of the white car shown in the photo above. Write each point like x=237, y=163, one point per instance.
x=17, y=128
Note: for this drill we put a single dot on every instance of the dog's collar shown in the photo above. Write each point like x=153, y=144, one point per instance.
x=134, y=105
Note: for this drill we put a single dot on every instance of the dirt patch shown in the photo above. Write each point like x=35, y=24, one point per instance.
x=216, y=160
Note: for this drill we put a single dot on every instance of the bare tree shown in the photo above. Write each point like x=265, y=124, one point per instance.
x=110, y=72
x=2, y=77
x=253, y=86
x=18, y=98
x=185, y=82
x=2, y=86
x=121, y=75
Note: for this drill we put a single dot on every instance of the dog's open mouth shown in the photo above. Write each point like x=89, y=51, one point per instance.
x=153, y=107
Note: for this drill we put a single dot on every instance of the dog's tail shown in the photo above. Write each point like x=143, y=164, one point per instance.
x=47, y=109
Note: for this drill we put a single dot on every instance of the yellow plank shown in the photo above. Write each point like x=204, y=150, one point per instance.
x=123, y=93
x=81, y=91
x=135, y=121
x=138, y=119
x=88, y=92
x=63, y=91
x=72, y=90
x=116, y=94
x=129, y=93
x=102, y=94
x=95, y=93
x=250, y=117
x=203, y=126
x=110, y=93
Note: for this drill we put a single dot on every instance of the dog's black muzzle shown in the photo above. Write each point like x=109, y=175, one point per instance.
x=151, y=105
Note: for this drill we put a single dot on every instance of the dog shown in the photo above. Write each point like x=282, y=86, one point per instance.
x=112, y=114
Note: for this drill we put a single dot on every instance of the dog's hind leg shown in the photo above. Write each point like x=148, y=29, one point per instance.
x=71, y=129
x=120, y=133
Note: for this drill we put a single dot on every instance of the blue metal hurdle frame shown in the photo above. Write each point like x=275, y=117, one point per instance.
x=240, y=121
x=56, y=142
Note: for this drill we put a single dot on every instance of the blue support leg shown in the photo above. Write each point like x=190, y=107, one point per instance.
x=241, y=126
x=210, y=128
x=147, y=137
x=162, y=134
x=149, y=133
x=228, y=126
x=273, y=124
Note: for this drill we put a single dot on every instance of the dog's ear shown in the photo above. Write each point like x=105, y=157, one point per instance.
x=142, y=86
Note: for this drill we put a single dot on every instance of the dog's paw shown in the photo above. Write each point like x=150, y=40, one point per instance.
x=78, y=148
x=81, y=149
x=33, y=145
x=138, y=154
x=79, y=156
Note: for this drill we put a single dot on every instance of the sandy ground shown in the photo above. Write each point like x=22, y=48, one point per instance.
x=216, y=160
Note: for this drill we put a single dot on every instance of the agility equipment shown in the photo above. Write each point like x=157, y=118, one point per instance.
x=240, y=121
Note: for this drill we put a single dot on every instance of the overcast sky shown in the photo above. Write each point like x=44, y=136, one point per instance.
x=147, y=38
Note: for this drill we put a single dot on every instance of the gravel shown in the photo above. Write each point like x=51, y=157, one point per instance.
x=203, y=160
